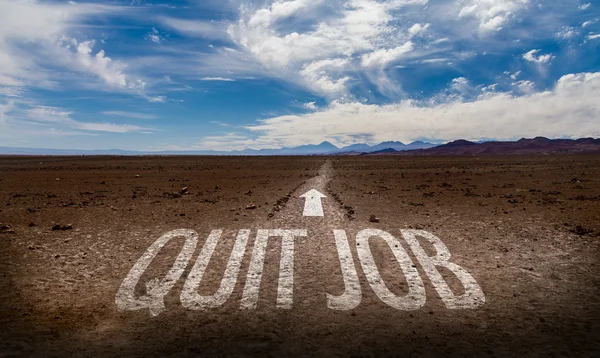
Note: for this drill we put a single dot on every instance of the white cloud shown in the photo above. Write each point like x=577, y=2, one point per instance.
x=156, y=99
x=319, y=75
x=460, y=84
x=417, y=29
x=569, y=109
x=593, y=36
x=205, y=29
x=5, y=108
x=41, y=25
x=100, y=65
x=584, y=6
x=385, y=56
x=588, y=23
x=524, y=86
x=492, y=15
x=354, y=29
x=541, y=59
x=566, y=32
x=12, y=92
x=154, y=36
x=224, y=79
x=57, y=116
x=310, y=105
x=38, y=48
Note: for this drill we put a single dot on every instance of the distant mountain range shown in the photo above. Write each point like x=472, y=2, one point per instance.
x=538, y=145
x=309, y=149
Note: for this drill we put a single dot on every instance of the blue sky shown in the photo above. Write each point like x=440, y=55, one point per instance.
x=227, y=74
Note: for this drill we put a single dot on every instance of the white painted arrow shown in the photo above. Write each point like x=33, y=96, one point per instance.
x=313, y=205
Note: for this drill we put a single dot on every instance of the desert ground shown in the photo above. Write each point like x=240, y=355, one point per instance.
x=79, y=278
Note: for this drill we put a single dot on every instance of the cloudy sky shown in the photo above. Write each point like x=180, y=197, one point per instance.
x=228, y=74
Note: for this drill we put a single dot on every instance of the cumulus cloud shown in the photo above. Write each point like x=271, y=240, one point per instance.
x=569, y=109
x=36, y=39
x=45, y=24
x=417, y=29
x=310, y=105
x=319, y=75
x=357, y=29
x=541, y=59
x=492, y=15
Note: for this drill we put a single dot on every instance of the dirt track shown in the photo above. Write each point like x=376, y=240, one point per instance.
x=527, y=229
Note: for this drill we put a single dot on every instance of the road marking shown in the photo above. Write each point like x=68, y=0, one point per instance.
x=473, y=296
x=156, y=289
x=352, y=295
x=190, y=298
x=415, y=298
x=286, y=268
x=313, y=205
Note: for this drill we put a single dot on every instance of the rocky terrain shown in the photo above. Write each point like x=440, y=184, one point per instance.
x=526, y=228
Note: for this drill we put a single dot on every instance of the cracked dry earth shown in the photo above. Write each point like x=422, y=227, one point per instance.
x=494, y=256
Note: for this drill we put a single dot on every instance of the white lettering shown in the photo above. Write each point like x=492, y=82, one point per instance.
x=473, y=296
x=156, y=289
x=415, y=298
x=352, y=295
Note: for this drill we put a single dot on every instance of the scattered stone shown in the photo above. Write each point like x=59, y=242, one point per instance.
x=57, y=179
x=31, y=224
x=249, y=193
x=5, y=227
x=172, y=195
x=137, y=176
x=62, y=227
x=183, y=191
x=373, y=219
x=251, y=207
x=581, y=231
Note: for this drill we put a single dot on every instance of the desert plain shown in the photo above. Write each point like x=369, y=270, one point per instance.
x=525, y=228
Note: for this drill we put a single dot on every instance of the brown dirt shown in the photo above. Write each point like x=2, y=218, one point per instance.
x=526, y=228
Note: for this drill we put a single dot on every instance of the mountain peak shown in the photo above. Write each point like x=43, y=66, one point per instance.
x=326, y=144
x=460, y=143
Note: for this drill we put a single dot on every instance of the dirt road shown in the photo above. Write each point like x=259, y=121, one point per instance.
x=300, y=256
